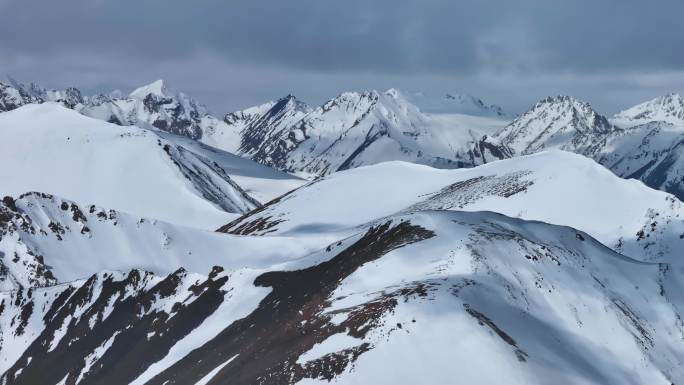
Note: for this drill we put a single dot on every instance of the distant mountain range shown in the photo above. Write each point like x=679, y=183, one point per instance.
x=145, y=241
x=356, y=129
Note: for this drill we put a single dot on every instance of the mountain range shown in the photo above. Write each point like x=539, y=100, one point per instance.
x=145, y=241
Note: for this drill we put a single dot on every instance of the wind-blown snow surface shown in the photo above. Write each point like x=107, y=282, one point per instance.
x=47, y=147
x=623, y=214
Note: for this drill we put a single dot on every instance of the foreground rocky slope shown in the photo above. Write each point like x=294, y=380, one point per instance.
x=472, y=289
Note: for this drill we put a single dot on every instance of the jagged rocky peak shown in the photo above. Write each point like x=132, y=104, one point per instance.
x=159, y=92
x=248, y=116
x=292, y=102
x=561, y=122
x=351, y=100
x=70, y=97
x=288, y=105
x=358, y=105
x=565, y=105
x=243, y=117
x=567, y=112
x=668, y=108
x=157, y=88
x=154, y=106
x=15, y=94
x=12, y=98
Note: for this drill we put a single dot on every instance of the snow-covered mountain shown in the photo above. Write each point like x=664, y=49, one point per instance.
x=648, y=151
x=350, y=130
x=560, y=122
x=259, y=133
x=355, y=129
x=452, y=103
x=45, y=240
x=544, y=264
x=47, y=147
x=623, y=214
x=352, y=272
x=652, y=152
x=151, y=106
x=14, y=97
x=456, y=292
x=667, y=108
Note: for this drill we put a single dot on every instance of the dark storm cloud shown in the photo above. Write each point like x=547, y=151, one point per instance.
x=277, y=44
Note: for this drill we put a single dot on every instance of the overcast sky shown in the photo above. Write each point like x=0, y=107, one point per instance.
x=230, y=54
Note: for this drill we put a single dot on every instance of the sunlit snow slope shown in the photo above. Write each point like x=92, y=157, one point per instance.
x=556, y=187
x=48, y=148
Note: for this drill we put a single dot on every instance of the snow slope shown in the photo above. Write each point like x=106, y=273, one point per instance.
x=438, y=274
x=436, y=295
x=45, y=239
x=651, y=152
x=47, y=147
x=350, y=130
x=667, y=108
x=560, y=122
x=258, y=181
x=642, y=142
x=454, y=104
x=623, y=214
x=356, y=129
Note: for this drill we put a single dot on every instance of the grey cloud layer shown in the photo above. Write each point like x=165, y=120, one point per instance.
x=404, y=39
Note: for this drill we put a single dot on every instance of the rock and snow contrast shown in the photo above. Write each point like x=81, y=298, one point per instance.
x=356, y=129
x=48, y=148
x=350, y=130
x=144, y=241
x=643, y=142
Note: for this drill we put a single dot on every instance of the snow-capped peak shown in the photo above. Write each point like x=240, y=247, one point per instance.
x=668, y=108
x=290, y=102
x=562, y=122
x=157, y=88
x=454, y=103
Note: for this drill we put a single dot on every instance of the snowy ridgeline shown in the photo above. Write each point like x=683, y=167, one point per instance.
x=362, y=128
x=436, y=295
x=156, y=175
x=543, y=264
x=341, y=286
